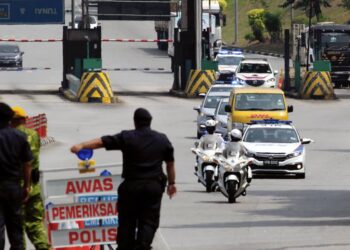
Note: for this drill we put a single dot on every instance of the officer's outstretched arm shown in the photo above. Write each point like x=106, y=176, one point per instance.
x=92, y=144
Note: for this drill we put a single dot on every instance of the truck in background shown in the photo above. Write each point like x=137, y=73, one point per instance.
x=328, y=41
x=211, y=14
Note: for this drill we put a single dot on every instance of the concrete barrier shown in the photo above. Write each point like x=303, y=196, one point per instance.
x=199, y=81
x=317, y=85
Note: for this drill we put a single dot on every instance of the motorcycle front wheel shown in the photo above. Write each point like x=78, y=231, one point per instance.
x=209, y=181
x=231, y=187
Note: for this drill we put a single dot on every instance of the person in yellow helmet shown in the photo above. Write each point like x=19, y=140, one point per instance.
x=34, y=209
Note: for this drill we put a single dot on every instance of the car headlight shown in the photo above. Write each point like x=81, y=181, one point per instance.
x=271, y=80
x=218, y=43
x=240, y=81
x=17, y=57
x=298, y=151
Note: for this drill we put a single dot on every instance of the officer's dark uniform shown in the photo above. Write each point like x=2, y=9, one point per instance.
x=140, y=194
x=14, y=152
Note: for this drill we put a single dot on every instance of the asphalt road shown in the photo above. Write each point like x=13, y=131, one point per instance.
x=276, y=213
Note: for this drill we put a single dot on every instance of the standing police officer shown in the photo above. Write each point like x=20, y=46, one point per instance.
x=140, y=194
x=15, y=158
x=34, y=208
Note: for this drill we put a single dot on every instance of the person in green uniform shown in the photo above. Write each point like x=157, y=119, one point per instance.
x=34, y=208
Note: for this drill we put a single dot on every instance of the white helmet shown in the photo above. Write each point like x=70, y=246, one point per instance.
x=210, y=123
x=236, y=134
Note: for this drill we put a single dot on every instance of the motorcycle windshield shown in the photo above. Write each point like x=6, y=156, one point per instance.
x=209, y=144
x=233, y=150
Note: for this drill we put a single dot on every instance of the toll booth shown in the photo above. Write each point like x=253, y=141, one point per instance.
x=81, y=52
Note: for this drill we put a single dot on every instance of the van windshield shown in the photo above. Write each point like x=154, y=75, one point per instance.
x=262, y=101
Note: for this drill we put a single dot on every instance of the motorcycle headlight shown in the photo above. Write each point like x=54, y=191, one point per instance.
x=207, y=158
x=298, y=151
x=17, y=57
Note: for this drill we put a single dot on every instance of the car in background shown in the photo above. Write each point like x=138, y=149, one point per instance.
x=220, y=116
x=78, y=23
x=276, y=148
x=11, y=55
x=228, y=60
x=256, y=73
x=207, y=108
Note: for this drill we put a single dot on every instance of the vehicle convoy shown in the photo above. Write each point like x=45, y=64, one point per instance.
x=276, y=148
x=256, y=73
x=207, y=108
x=205, y=150
x=247, y=104
x=328, y=41
x=233, y=176
x=212, y=18
x=11, y=55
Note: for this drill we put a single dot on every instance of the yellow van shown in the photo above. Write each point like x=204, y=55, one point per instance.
x=247, y=104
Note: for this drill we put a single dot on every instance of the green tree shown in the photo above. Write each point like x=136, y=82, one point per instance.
x=345, y=4
x=304, y=4
x=256, y=22
x=273, y=25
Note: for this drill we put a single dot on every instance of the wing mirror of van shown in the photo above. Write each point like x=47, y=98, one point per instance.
x=197, y=108
x=202, y=94
x=224, y=20
x=275, y=72
x=306, y=141
x=228, y=108
x=290, y=109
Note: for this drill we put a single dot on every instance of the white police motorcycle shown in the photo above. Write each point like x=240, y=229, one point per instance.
x=234, y=175
x=206, y=169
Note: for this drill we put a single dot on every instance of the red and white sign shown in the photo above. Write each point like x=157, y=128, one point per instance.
x=82, y=211
x=98, y=184
x=85, y=236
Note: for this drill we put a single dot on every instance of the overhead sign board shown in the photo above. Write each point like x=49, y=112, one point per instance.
x=86, y=236
x=32, y=12
x=133, y=10
x=84, y=185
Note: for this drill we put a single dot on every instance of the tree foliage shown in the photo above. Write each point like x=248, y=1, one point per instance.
x=345, y=4
x=304, y=4
x=256, y=22
x=273, y=26
x=223, y=4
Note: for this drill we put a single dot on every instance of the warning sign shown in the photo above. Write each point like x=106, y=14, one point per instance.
x=82, y=211
x=86, y=236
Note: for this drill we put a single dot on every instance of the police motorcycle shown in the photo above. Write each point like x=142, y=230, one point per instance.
x=206, y=169
x=234, y=173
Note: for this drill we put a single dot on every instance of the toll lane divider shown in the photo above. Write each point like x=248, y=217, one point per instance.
x=39, y=123
x=199, y=81
x=134, y=69
x=120, y=40
x=95, y=87
x=317, y=85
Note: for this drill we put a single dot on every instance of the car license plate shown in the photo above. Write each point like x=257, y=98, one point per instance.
x=270, y=163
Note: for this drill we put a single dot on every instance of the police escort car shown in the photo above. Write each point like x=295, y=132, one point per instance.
x=276, y=148
x=228, y=60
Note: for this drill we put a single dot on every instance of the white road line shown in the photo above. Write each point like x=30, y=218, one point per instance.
x=159, y=242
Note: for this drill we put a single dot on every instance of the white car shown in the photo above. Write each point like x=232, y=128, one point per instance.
x=228, y=60
x=276, y=147
x=220, y=116
x=207, y=108
x=256, y=73
x=78, y=22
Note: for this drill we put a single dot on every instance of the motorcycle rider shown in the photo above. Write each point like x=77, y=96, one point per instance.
x=235, y=141
x=210, y=126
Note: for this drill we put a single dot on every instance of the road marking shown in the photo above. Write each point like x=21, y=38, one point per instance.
x=160, y=242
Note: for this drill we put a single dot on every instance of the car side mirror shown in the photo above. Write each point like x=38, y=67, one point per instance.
x=275, y=72
x=196, y=144
x=306, y=141
x=22, y=53
x=197, y=108
x=228, y=108
x=202, y=94
x=290, y=109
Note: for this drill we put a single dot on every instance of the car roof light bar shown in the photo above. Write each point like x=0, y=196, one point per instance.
x=270, y=121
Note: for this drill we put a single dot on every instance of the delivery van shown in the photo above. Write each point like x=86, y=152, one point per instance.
x=247, y=104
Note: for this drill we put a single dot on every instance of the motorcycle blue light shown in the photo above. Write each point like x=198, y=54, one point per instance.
x=85, y=154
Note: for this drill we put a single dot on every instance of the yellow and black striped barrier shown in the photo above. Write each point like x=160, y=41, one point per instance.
x=95, y=87
x=317, y=85
x=199, y=81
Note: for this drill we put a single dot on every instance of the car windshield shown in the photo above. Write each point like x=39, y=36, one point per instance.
x=9, y=49
x=221, y=110
x=229, y=60
x=212, y=101
x=254, y=68
x=221, y=88
x=262, y=101
x=271, y=135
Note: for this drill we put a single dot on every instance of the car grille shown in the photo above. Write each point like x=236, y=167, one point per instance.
x=255, y=83
x=266, y=157
x=286, y=167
